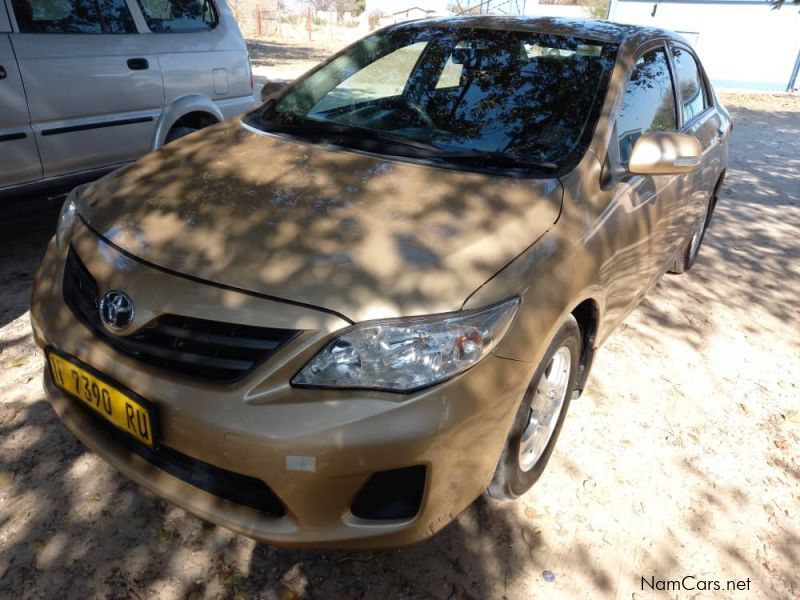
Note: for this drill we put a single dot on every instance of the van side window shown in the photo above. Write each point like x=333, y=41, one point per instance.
x=177, y=16
x=690, y=83
x=649, y=102
x=73, y=16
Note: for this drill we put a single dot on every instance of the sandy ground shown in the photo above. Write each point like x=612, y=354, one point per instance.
x=682, y=458
x=291, y=54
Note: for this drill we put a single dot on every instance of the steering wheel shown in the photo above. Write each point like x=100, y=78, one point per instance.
x=420, y=112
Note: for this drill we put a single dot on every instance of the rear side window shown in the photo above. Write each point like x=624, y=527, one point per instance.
x=73, y=16
x=179, y=16
x=690, y=84
x=649, y=101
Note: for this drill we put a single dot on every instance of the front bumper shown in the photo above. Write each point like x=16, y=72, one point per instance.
x=315, y=449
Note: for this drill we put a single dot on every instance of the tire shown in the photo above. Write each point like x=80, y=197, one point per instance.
x=522, y=462
x=189, y=124
x=685, y=261
x=177, y=133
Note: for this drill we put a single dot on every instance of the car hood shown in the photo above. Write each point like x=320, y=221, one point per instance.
x=357, y=234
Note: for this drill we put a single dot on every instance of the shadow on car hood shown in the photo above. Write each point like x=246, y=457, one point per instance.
x=361, y=235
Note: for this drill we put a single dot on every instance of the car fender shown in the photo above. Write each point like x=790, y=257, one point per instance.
x=177, y=109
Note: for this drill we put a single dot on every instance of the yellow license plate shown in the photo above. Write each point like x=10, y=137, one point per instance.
x=103, y=398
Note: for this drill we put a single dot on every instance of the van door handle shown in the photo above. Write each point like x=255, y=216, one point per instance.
x=138, y=64
x=2, y=72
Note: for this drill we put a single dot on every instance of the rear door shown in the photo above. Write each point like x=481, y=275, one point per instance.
x=94, y=91
x=19, y=160
x=702, y=121
x=200, y=50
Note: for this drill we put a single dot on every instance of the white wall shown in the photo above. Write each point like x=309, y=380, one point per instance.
x=533, y=9
x=741, y=44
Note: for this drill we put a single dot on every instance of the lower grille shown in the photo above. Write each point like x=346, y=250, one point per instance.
x=199, y=348
x=239, y=489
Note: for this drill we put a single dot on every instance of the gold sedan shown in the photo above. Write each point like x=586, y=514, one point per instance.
x=340, y=319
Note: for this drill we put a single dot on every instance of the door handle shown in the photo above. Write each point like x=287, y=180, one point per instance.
x=2, y=72
x=138, y=64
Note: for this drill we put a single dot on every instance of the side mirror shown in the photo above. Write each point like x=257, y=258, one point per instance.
x=271, y=88
x=661, y=153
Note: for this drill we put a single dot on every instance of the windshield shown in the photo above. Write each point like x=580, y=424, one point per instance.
x=504, y=99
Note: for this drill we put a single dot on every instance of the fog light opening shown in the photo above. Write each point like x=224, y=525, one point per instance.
x=389, y=495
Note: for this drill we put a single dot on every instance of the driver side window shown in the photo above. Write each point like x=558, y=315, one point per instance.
x=384, y=78
x=649, y=102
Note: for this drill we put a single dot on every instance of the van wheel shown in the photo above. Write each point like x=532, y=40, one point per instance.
x=178, y=132
x=189, y=124
x=685, y=261
x=540, y=416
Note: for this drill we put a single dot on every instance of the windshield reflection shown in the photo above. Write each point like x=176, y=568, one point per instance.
x=508, y=99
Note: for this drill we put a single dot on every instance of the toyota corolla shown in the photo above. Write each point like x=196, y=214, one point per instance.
x=339, y=319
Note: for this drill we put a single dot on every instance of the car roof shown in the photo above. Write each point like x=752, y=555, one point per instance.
x=594, y=29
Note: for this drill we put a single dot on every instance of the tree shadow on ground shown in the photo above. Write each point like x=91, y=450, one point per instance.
x=275, y=53
x=87, y=531
x=77, y=528
x=26, y=225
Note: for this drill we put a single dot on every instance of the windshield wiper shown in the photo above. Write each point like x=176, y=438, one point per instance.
x=364, y=134
x=371, y=139
x=497, y=159
x=333, y=132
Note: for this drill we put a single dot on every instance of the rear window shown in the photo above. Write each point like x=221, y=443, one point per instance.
x=179, y=16
x=73, y=16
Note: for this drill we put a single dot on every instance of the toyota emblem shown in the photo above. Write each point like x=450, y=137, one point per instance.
x=116, y=310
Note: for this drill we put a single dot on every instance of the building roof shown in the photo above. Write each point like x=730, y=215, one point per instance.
x=427, y=11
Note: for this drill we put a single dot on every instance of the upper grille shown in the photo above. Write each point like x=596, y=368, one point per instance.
x=199, y=348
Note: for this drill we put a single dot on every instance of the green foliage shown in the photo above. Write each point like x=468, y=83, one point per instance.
x=353, y=6
x=598, y=9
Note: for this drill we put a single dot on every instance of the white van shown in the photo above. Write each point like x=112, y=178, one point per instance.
x=88, y=85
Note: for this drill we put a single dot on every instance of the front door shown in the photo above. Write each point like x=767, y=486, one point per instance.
x=643, y=207
x=19, y=159
x=94, y=91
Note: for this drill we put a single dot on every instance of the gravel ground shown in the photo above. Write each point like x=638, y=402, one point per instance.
x=682, y=458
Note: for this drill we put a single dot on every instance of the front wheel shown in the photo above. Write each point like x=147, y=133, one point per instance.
x=540, y=416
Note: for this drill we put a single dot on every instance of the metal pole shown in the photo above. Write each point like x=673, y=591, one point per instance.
x=795, y=72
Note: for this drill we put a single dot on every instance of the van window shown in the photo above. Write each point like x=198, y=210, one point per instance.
x=649, y=102
x=179, y=16
x=73, y=16
x=690, y=83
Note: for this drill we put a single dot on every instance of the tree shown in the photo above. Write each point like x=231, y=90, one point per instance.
x=776, y=4
x=322, y=5
x=353, y=6
x=598, y=9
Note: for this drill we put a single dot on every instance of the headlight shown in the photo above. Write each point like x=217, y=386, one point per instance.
x=402, y=355
x=66, y=220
